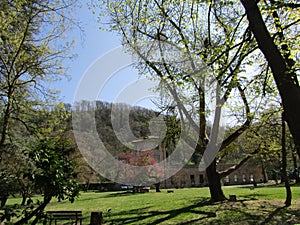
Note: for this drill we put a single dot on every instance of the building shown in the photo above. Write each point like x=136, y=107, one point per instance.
x=250, y=172
x=191, y=176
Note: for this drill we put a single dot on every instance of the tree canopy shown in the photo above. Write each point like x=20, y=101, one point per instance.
x=34, y=148
x=210, y=33
x=31, y=52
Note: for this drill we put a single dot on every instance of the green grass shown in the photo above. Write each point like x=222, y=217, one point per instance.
x=263, y=205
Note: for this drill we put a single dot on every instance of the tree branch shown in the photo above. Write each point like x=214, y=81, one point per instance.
x=225, y=173
x=245, y=125
x=291, y=5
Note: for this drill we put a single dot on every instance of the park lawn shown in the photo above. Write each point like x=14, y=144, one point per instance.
x=263, y=205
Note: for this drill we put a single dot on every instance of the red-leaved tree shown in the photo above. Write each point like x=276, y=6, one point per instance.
x=139, y=169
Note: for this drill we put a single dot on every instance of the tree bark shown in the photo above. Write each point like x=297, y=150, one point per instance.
x=214, y=183
x=285, y=78
x=3, y=200
x=24, y=197
x=5, y=123
x=157, y=185
x=288, y=198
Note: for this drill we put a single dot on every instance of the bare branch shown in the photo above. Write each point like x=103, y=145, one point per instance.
x=225, y=173
x=245, y=125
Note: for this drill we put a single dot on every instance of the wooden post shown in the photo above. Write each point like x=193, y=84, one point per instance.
x=232, y=198
x=96, y=218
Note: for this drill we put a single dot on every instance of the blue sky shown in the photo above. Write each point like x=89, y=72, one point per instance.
x=89, y=47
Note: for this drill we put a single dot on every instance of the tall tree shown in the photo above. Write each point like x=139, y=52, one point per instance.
x=208, y=38
x=32, y=48
x=288, y=199
x=280, y=52
x=31, y=53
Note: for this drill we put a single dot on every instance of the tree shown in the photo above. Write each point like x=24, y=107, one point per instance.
x=31, y=54
x=9, y=186
x=54, y=174
x=139, y=177
x=32, y=48
x=268, y=136
x=280, y=52
x=210, y=30
x=207, y=38
x=41, y=164
x=288, y=199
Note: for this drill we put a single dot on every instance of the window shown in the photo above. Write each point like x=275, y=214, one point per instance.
x=227, y=179
x=201, y=178
x=235, y=178
x=251, y=178
x=244, y=178
x=157, y=158
x=192, y=180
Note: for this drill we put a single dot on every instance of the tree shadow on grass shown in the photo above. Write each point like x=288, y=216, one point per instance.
x=235, y=216
x=138, y=215
x=109, y=195
x=122, y=193
x=271, y=215
x=282, y=215
x=243, y=211
x=263, y=213
x=251, y=197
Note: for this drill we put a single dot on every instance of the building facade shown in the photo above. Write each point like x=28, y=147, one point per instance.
x=190, y=175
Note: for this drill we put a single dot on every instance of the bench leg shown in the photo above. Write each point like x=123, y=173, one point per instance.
x=79, y=220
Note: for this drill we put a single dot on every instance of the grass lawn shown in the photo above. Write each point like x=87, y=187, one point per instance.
x=263, y=205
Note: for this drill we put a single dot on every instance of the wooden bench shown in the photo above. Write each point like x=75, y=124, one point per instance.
x=64, y=215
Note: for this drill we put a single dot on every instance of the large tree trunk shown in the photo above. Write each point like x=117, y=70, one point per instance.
x=214, y=183
x=288, y=198
x=157, y=185
x=24, y=197
x=3, y=200
x=285, y=79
